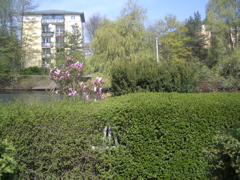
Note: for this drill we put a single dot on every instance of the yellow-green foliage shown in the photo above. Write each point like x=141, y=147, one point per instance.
x=160, y=135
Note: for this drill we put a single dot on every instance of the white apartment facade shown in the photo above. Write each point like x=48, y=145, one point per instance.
x=43, y=34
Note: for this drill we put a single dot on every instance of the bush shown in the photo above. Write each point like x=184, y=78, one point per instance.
x=27, y=83
x=159, y=135
x=8, y=163
x=53, y=140
x=32, y=71
x=162, y=136
x=225, y=156
x=123, y=78
x=149, y=76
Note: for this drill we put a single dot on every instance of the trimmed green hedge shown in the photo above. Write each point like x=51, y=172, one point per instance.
x=160, y=135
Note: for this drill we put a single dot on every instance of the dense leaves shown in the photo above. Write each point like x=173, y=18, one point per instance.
x=225, y=155
x=159, y=135
x=128, y=77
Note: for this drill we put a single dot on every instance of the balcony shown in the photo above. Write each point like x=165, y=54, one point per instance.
x=60, y=44
x=47, y=34
x=47, y=55
x=60, y=33
x=47, y=45
x=52, y=21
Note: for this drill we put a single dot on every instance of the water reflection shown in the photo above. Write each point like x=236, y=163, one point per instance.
x=27, y=96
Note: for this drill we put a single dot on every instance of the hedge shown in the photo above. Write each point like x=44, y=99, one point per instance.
x=159, y=136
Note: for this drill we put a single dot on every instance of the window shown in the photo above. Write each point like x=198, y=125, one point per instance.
x=46, y=39
x=58, y=17
x=59, y=39
x=46, y=51
x=45, y=29
x=47, y=16
x=72, y=17
x=59, y=30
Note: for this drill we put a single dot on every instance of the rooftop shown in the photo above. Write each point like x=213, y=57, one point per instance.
x=44, y=12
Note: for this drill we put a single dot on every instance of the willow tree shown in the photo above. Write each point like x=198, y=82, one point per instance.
x=124, y=39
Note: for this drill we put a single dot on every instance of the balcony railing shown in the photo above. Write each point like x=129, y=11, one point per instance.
x=47, y=34
x=47, y=45
x=47, y=55
x=60, y=33
x=52, y=21
x=60, y=44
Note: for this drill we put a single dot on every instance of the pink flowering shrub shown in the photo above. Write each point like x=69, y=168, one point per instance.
x=70, y=81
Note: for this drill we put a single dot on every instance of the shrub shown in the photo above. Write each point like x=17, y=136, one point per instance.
x=159, y=135
x=149, y=76
x=52, y=140
x=32, y=71
x=27, y=83
x=162, y=136
x=225, y=156
x=123, y=78
x=8, y=163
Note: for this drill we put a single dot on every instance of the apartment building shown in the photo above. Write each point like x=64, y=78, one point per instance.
x=44, y=34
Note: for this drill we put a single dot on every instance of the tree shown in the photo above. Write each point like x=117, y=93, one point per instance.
x=172, y=39
x=71, y=47
x=198, y=38
x=223, y=19
x=92, y=24
x=11, y=12
x=124, y=39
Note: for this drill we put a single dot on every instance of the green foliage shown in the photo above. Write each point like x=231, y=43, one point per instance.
x=52, y=140
x=32, y=71
x=128, y=77
x=123, y=78
x=125, y=39
x=172, y=39
x=225, y=156
x=8, y=163
x=229, y=65
x=10, y=51
x=198, y=39
x=160, y=135
x=27, y=82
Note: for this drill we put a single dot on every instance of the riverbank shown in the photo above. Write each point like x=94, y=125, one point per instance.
x=33, y=82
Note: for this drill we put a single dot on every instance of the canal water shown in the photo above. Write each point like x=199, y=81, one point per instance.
x=26, y=96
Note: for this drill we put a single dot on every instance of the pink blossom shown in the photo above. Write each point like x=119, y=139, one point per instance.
x=69, y=58
x=97, y=81
x=84, y=87
x=100, y=90
x=87, y=97
x=73, y=93
x=57, y=72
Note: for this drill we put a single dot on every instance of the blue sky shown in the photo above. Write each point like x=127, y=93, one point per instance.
x=156, y=9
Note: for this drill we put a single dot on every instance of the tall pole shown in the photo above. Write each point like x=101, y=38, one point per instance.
x=157, y=48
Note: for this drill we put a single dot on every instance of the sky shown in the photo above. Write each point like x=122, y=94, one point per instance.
x=156, y=9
